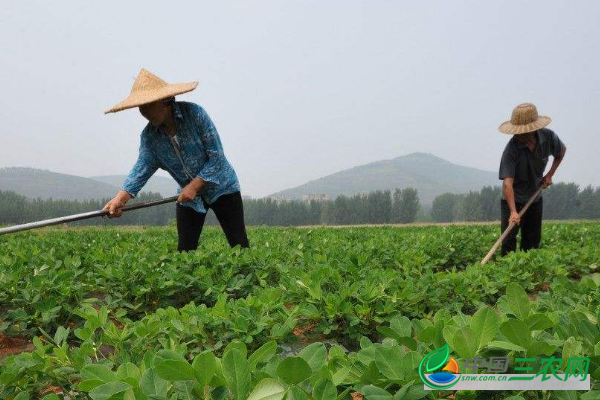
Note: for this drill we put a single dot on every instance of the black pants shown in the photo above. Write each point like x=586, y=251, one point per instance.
x=531, y=227
x=229, y=210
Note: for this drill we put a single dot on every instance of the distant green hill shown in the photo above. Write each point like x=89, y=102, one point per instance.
x=430, y=175
x=165, y=186
x=34, y=183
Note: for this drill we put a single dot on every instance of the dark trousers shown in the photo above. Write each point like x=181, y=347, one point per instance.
x=531, y=227
x=229, y=210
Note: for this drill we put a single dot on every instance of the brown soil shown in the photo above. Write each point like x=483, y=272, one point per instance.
x=13, y=345
x=575, y=276
x=305, y=334
x=301, y=330
x=462, y=223
x=533, y=296
x=51, y=389
x=411, y=225
x=544, y=287
x=357, y=396
x=95, y=295
x=136, y=228
x=106, y=350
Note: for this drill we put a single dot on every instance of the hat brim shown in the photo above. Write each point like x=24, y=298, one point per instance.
x=510, y=129
x=144, y=97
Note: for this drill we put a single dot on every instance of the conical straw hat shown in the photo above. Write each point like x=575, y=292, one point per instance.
x=148, y=88
x=524, y=119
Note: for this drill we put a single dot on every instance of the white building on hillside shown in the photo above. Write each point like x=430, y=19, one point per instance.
x=315, y=197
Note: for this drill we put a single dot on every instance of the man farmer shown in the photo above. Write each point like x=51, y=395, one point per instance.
x=181, y=139
x=522, y=172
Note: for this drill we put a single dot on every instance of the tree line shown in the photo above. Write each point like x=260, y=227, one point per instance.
x=18, y=209
x=561, y=201
x=378, y=207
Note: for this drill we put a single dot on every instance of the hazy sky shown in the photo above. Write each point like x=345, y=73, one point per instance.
x=300, y=89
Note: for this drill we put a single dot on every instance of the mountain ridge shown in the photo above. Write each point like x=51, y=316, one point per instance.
x=45, y=184
x=429, y=174
x=42, y=183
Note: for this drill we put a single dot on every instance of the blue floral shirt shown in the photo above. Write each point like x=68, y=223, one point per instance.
x=200, y=155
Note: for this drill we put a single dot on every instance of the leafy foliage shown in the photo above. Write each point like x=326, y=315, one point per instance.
x=304, y=314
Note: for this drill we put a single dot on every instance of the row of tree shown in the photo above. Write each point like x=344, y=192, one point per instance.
x=561, y=201
x=472, y=206
x=378, y=207
x=17, y=209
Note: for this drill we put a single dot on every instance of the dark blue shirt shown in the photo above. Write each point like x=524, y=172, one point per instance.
x=527, y=167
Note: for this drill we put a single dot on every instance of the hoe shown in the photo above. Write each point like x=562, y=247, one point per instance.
x=79, y=217
x=510, y=227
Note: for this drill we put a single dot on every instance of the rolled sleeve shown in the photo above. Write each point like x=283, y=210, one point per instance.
x=508, y=163
x=211, y=170
x=145, y=166
x=556, y=145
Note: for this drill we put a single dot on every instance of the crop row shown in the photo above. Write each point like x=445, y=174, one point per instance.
x=387, y=370
x=342, y=283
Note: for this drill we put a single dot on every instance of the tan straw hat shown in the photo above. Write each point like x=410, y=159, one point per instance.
x=524, y=119
x=148, y=88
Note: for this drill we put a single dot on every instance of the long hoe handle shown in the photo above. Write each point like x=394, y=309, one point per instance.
x=510, y=227
x=79, y=217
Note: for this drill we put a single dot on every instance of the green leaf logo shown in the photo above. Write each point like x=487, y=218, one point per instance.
x=437, y=358
x=432, y=362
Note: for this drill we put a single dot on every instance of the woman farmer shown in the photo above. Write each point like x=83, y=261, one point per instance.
x=181, y=139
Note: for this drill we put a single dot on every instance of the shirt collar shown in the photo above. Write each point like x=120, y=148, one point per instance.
x=541, y=138
x=538, y=136
x=177, y=110
x=177, y=113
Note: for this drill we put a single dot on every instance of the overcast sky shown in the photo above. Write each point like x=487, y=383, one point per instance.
x=300, y=89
